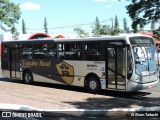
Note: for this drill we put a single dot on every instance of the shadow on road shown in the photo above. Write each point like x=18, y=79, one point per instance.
x=128, y=95
x=5, y=79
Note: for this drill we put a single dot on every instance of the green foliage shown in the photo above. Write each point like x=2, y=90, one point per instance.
x=116, y=31
x=125, y=24
x=9, y=16
x=96, y=27
x=116, y=25
x=24, y=30
x=45, y=25
x=156, y=33
x=153, y=26
x=143, y=12
x=104, y=30
x=14, y=32
x=107, y=30
x=80, y=32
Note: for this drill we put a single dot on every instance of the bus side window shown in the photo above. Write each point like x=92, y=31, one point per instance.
x=4, y=51
x=60, y=51
x=40, y=51
x=4, y=60
x=73, y=51
x=27, y=51
x=52, y=51
x=86, y=47
x=26, y=56
x=92, y=51
x=111, y=53
x=69, y=51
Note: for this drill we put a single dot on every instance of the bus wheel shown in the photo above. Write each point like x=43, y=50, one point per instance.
x=28, y=77
x=93, y=84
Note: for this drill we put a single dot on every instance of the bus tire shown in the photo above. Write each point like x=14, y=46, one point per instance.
x=93, y=84
x=28, y=77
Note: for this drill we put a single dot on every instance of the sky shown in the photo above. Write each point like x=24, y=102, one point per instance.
x=65, y=15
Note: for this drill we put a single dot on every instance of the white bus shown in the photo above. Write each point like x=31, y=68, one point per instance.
x=122, y=63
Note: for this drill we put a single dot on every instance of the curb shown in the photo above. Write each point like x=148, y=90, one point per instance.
x=15, y=110
x=4, y=106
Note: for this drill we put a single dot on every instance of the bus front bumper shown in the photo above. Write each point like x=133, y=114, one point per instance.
x=134, y=86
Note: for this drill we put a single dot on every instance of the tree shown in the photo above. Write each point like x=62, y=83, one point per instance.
x=14, y=32
x=143, y=12
x=116, y=30
x=116, y=24
x=125, y=24
x=9, y=16
x=104, y=30
x=141, y=27
x=153, y=25
x=156, y=34
x=96, y=27
x=24, y=30
x=80, y=32
x=45, y=25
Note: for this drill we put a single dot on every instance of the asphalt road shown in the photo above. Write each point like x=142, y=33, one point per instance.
x=55, y=97
x=153, y=95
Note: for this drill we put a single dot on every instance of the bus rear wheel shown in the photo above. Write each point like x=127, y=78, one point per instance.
x=28, y=77
x=93, y=84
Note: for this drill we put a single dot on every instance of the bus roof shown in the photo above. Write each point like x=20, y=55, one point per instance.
x=104, y=38
x=60, y=40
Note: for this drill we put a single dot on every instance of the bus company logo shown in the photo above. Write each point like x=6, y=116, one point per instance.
x=6, y=114
x=66, y=72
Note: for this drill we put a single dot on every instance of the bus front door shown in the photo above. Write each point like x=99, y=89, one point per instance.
x=116, y=67
x=14, y=62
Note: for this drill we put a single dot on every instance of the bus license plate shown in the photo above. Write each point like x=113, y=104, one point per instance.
x=149, y=86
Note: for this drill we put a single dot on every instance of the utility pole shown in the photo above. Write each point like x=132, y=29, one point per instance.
x=112, y=22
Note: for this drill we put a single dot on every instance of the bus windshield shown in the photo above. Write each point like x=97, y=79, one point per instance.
x=145, y=55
